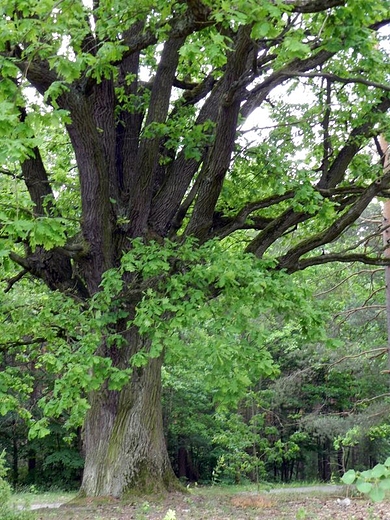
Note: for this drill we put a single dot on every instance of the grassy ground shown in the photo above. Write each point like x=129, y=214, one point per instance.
x=216, y=503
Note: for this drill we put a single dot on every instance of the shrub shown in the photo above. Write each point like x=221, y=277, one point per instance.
x=7, y=511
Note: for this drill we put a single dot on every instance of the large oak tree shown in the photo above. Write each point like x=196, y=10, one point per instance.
x=153, y=97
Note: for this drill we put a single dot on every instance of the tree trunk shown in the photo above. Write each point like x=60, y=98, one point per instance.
x=125, y=450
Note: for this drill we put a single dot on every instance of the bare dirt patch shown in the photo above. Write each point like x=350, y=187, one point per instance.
x=219, y=505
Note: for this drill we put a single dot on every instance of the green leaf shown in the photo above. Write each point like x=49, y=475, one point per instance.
x=378, y=471
x=296, y=47
x=384, y=484
x=377, y=494
x=260, y=29
x=363, y=487
x=39, y=429
x=349, y=477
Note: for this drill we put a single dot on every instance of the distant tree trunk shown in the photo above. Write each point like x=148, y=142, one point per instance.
x=185, y=465
x=284, y=471
x=327, y=471
x=182, y=462
x=123, y=438
x=291, y=471
x=324, y=468
x=300, y=470
x=31, y=465
x=353, y=454
x=15, y=460
x=341, y=462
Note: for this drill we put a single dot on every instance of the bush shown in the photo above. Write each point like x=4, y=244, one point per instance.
x=7, y=511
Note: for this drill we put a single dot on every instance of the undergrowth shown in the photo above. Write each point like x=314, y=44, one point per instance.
x=7, y=511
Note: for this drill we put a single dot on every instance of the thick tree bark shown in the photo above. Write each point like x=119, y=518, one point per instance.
x=124, y=444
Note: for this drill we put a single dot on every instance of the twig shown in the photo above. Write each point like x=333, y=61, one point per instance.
x=369, y=399
x=373, y=294
x=380, y=350
x=346, y=279
x=335, y=77
x=362, y=308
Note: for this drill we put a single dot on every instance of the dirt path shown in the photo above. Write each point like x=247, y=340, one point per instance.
x=51, y=505
x=326, y=488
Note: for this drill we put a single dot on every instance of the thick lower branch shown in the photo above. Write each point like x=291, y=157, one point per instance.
x=239, y=221
x=54, y=269
x=330, y=234
x=336, y=257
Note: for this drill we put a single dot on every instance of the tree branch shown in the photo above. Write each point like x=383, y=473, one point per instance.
x=38, y=184
x=373, y=294
x=37, y=72
x=290, y=261
x=129, y=124
x=313, y=6
x=349, y=312
x=355, y=141
x=20, y=260
x=337, y=257
x=30, y=341
x=141, y=186
x=327, y=144
x=339, y=79
x=259, y=93
x=285, y=221
x=277, y=228
x=168, y=210
x=54, y=268
x=380, y=351
x=194, y=19
x=12, y=281
x=237, y=222
x=218, y=159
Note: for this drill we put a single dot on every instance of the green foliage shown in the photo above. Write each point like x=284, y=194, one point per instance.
x=170, y=515
x=7, y=511
x=230, y=296
x=242, y=448
x=373, y=482
x=229, y=331
x=62, y=465
x=5, y=489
